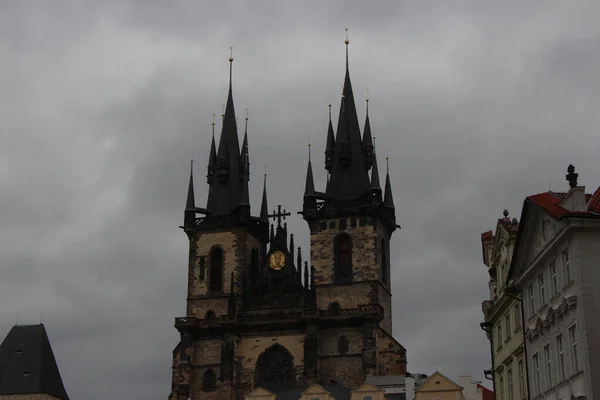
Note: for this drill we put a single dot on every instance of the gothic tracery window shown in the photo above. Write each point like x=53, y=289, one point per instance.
x=216, y=270
x=275, y=369
x=209, y=383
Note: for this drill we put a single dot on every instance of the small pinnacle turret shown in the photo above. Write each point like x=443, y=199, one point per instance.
x=367, y=143
x=388, y=199
x=264, y=208
x=212, y=157
x=375, y=185
x=190, y=203
x=330, y=147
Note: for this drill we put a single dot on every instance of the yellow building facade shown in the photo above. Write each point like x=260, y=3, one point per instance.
x=439, y=387
x=503, y=314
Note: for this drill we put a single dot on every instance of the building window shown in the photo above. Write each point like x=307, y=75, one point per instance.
x=542, y=290
x=536, y=374
x=560, y=349
x=517, y=317
x=499, y=335
x=509, y=376
x=501, y=386
x=567, y=265
x=367, y=398
x=548, y=361
x=531, y=300
x=554, y=281
x=574, y=355
x=343, y=256
x=384, y=262
x=522, y=383
x=216, y=270
x=209, y=383
x=507, y=327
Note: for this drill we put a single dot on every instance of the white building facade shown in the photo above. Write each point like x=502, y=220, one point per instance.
x=556, y=269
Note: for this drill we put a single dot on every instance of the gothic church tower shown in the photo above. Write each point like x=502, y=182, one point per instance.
x=257, y=315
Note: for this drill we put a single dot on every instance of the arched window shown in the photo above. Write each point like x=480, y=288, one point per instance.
x=275, y=369
x=343, y=256
x=343, y=345
x=209, y=383
x=215, y=275
x=384, y=262
x=210, y=314
x=334, y=307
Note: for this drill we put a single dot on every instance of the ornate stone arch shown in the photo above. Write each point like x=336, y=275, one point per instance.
x=275, y=369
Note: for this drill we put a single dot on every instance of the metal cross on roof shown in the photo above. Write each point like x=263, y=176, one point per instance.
x=279, y=215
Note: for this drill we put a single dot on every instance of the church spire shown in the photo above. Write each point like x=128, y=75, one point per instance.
x=226, y=189
x=212, y=158
x=264, y=209
x=190, y=203
x=375, y=185
x=245, y=201
x=388, y=200
x=309, y=187
x=367, y=142
x=349, y=178
x=330, y=147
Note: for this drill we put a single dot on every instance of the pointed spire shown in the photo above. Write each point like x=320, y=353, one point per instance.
x=299, y=260
x=226, y=189
x=367, y=142
x=190, y=204
x=245, y=142
x=292, y=247
x=375, y=185
x=264, y=210
x=212, y=158
x=330, y=146
x=309, y=188
x=388, y=200
x=306, y=283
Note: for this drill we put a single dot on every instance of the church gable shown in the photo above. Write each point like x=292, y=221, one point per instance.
x=438, y=382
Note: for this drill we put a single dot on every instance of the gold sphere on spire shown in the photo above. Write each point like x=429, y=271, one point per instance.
x=346, y=41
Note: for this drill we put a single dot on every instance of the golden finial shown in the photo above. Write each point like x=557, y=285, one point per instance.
x=247, y=114
x=387, y=154
x=230, y=53
x=265, y=170
x=329, y=100
x=346, y=41
x=309, y=142
x=213, y=122
x=367, y=98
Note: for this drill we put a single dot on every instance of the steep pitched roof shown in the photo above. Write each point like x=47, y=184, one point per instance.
x=431, y=383
x=27, y=363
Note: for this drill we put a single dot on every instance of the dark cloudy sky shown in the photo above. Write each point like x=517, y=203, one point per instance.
x=102, y=104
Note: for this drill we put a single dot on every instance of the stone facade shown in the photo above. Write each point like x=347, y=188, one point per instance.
x=554, y=268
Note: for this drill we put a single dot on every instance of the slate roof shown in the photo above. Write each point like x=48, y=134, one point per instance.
x=338, y=391
x=27, y=363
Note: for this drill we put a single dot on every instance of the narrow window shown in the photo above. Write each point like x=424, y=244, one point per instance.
x=507, y=327
x=574, y=348
x=560, y=349
x=501, y=386
x=202, y=267
x=522, y=379
x=499, y=335
x=216, y=270
x=542, y=290
x=532, y=309
x=517, y=317
x=554, y=278
x=343, y=250
x=209, y=383
x=343, y=345
x=567, y=266
x=536, y=374
x=548, y=360
x=509, y=376
x=384, y=262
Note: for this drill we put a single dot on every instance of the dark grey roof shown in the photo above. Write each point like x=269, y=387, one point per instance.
x=27, y=363
x=339, y=392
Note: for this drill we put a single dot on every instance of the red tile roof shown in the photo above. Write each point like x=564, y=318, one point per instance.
x=487, y=235
x=549, y=201
x=595, y=201
x=486, y=394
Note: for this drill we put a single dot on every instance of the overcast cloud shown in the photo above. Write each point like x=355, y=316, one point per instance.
x=102, y=104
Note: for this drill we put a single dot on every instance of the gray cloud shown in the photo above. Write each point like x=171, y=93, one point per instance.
x=478, y=105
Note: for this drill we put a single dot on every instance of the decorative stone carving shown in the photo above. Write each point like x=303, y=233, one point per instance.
x=275, y=369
